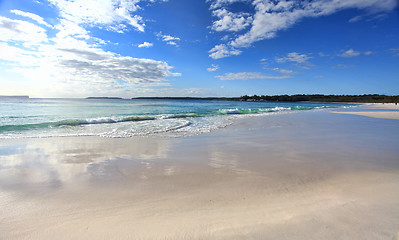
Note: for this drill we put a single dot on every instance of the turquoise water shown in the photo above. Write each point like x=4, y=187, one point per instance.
x=127, y=117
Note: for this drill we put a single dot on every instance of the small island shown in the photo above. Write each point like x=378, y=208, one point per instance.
x=14, y=96
x=104, y=98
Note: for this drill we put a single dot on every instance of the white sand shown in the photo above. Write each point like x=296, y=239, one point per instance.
x=313, y=175
x=376, y=113
x=385, y=106
x=386, y=115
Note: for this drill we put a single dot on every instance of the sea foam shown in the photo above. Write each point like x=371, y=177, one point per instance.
x=127, y=118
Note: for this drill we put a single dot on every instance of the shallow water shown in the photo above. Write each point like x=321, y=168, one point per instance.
x=127, y=117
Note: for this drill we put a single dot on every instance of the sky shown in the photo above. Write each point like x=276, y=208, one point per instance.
x=198, y=48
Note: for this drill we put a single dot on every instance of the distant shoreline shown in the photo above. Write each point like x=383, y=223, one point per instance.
x=104, y=98
x=189, y=98
x=365, y=98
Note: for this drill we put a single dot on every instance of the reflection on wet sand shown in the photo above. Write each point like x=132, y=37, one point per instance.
x=318, y=176
x=225, y=161
x=55, y=162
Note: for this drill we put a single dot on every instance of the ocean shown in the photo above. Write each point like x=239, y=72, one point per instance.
x=41, y=117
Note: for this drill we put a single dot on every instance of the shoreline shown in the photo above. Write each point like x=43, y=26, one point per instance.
x=306, y=175
x=373, y=111
x=202, y=118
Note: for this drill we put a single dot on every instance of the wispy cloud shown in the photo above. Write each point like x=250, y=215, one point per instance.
x=213, y=68
x=342, y=66
x=249, y=76
x=168, y=39
x=32, y=16
x=349, y=53
x=356, y=19
x=21, y=31
x=294, y=57
x=283, y=71
x=368, y=17
x=221, y=3
x=171, y=91
x=395, y=51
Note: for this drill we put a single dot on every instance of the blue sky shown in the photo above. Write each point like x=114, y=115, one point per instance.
x=65, y=48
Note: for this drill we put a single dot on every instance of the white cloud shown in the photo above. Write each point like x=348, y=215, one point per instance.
x=67, y=28
x=74, y=62
x=368, y=53
x=221, y=51
x=13, y=54
x=349, y=53
x=270, y=17
x=221, y=3
x=145, y=45
x=283, y=14
x=213, y=68
x=172, y=43
x=294, y=57
x=116, y=15
x=69, y=65
x=168, y=39
x=248, y=76
x=284, y=71
x=32, y=16
x=21, y=31
x=229, y=21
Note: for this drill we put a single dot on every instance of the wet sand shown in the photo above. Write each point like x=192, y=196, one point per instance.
x=308, y=175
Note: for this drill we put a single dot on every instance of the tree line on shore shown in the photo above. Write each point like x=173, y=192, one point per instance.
x=365, y=98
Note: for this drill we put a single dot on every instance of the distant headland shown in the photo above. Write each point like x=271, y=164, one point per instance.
x=13, y=96
x=190, y=98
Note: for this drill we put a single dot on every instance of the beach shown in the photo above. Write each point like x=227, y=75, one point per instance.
x=392, y=111
x=297, y=175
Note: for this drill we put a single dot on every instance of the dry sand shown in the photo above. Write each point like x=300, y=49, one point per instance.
x=378, y=114
x=391, y=106
x=313, y=175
